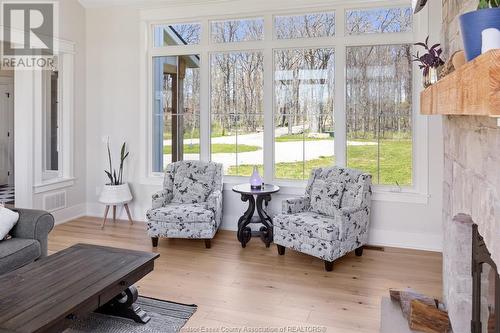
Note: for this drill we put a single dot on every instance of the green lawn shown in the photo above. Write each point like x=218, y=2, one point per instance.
x=217, y=148
x=284, y=170
x=395, y=163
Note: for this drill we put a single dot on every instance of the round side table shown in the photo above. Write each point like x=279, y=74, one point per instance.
x=263, y=196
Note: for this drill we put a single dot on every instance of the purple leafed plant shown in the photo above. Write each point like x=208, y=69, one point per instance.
x=431, y=59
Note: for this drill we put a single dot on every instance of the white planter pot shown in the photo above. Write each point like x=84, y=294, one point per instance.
x=115, y=194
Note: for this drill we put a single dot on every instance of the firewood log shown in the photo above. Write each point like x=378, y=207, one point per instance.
x=428, y=318
x=404, y=297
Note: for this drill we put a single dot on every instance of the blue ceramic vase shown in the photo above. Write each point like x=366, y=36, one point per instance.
x=472, y=24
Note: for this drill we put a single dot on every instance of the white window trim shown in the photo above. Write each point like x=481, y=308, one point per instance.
x=43, y=180
x=204, y=14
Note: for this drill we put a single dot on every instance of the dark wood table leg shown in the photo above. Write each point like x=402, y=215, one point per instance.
x=123, y=306
x=266, y=231
x=244, y=231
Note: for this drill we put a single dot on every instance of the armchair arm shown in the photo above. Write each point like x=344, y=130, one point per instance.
x=214, y=203
x=34, y=224
x=295, y=205
x=353, y=221
x=161, y=198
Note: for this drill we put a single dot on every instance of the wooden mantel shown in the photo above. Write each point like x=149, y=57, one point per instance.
x=473, y=89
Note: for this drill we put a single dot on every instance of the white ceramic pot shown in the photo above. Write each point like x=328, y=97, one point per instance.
x=115, y=194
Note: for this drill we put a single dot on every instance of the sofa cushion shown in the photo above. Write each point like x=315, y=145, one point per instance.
x=193, y=182
x=326, y=196
x=182, y=213
x=17, y=252
x=199, y=230
x=311, y=224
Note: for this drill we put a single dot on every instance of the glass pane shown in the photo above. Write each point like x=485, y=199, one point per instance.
x=304, y=95
x=237, y=30
x=51, y=122
x=237, y=108
x=378, y=20
x=379, y=112
x=176, y=110
x=305, y=26
x=176, y=34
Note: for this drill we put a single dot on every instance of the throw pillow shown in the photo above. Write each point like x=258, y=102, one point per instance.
x=8, y=220
x=326, y=196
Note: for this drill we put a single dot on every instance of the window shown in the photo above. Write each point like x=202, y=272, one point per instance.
x=237, y=124
x=302, y=96
x=50, y=128
x=305, y=26
x=176, y=110
x=176, y=34
x=243, y=30
x=379, y=20
x=53, y=128
x=304, y=127
x=379, y=112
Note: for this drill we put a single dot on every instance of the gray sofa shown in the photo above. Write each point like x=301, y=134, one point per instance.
x=28, y=242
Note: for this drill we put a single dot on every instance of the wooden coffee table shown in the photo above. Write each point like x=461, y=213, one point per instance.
x=47, y=295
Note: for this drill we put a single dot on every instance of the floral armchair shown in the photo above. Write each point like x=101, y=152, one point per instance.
x=331, y=219
x=190, y=204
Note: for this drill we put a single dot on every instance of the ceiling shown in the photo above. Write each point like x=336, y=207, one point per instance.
x=144, y=3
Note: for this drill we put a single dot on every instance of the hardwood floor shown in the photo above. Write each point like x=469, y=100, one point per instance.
x=255, y=287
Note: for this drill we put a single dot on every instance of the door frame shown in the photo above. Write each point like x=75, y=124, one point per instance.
x=9, y=82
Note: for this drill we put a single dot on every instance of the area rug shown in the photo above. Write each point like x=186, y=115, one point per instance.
x=166, y=317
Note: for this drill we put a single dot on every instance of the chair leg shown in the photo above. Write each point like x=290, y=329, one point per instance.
x=359, y=251
x=328, y=266
x=281, y=249
x=154, y=241
x=208, y=243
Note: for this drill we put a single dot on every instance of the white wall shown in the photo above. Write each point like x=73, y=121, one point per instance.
x=114, y=109
x=72, y=28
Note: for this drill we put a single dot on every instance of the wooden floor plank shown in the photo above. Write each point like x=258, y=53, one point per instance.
x=255, y=287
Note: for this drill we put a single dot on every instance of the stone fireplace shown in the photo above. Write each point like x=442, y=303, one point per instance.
x=471, y=189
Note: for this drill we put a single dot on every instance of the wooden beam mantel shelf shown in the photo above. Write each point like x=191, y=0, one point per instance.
x=473, y=89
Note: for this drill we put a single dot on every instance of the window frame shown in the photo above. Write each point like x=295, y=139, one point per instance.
x=47, y=180
x=290, y=182
x=305, y=13
x=210, y=55
x=237, y=18
x=151, y=109
x=417, y=192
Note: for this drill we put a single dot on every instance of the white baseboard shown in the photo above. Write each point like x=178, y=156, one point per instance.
x=378, y=237
x=97, y=210
x=406, y=240
x=70, y=213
